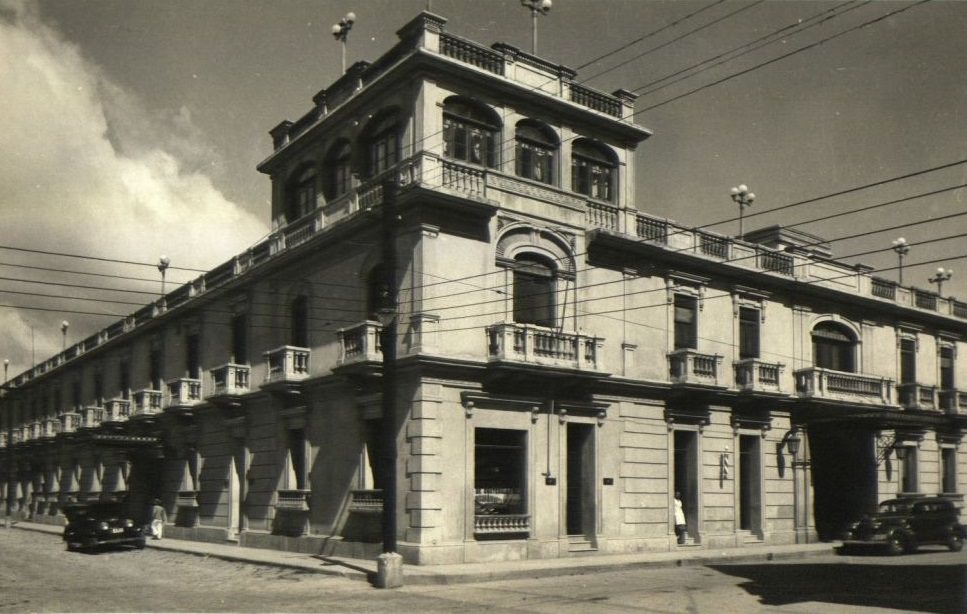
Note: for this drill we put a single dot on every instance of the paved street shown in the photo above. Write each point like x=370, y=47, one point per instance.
x=38, y=575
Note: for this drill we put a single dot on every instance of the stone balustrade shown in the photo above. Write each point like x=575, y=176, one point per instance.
x=147, y=402
x=230, y=380
x=492, y=524
x=754, y=375
x=360, y=343
x=827, y=384
x=688, y=366
x=184, y=392
x=287, y=364
x=527, y=343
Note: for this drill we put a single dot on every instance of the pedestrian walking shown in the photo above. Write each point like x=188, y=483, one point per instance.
x=158, y=517
x=681, y=529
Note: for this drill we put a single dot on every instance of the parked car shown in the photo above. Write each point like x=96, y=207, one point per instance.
x=94, y=525
x=901, y=525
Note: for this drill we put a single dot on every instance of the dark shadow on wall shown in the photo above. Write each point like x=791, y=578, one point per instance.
x=915, y=588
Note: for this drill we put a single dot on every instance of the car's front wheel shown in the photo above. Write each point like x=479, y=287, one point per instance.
x=896, y=545
x=955, y=542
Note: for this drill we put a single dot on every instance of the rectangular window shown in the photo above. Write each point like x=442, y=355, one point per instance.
x=98, y=389
x=686, y=322
x=124, y=379
x=240, y=339
x=193, y=356
x=909, y=470
x=948, y=461
x=76, y=395
x=297, y=474
x=299, y=321
x=947, y=368
x=154, y=369
x=500, y=464
x=748, y=333
x=908, y=361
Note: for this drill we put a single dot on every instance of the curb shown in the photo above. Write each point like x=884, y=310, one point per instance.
x=417, y=576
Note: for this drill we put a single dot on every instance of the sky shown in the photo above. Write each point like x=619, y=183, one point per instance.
x=132, y=128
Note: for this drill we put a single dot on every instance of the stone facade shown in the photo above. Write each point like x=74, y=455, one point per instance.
x=566, y=362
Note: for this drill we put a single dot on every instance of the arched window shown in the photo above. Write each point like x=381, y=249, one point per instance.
x=338, y=169
x=301, y=195
x=534, y=285
x=469, y=132
x=383, y=142
x=834, y=347
x=536, y=152
x=593, y=170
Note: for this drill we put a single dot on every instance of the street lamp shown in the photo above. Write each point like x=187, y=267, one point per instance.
x=162, y=267
x=63, y=329
x=537, y=7
x=744, y=198
x=902, y=248
x=941, y=276
x=340, y=31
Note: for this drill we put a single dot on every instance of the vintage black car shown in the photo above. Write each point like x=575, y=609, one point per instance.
x=901, y=525
x=94, y=525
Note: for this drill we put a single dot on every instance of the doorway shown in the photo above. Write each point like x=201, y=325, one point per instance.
x=687, y=476
x=580, y=506
x=750, y=493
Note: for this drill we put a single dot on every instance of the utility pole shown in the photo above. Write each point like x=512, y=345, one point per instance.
x=390, y=563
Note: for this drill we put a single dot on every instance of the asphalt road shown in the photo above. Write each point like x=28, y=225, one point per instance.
x=38, y=575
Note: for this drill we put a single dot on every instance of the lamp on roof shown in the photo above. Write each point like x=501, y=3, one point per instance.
x=902, y=248
x=941, y=276
x=537, y=7
x=743, y=198
x=340, y=31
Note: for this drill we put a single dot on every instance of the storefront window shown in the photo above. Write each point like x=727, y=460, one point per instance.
x=500, y=460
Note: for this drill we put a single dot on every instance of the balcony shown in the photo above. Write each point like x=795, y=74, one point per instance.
x=287, y=364
x=689, y=367
x=3, y=439
x=293, y=500
x=917, y=396
x=526, y=343
x=49, y=428
x=33, y=430
x=360, y=343
x=953, y=401
x=837, y=386
x=70, y=422
x=117, y=410
x=230, y=380
x=183, y=393
x=91, y=417
x=754, y=375
x=147, y=402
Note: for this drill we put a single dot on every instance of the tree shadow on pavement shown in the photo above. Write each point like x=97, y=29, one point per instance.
x=918, y=588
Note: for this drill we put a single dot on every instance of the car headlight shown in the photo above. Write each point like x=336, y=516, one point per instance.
x=128, y=523
x=102, y=526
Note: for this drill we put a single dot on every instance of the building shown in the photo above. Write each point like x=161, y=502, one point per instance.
x=566, y=362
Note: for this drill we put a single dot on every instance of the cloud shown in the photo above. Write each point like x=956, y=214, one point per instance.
x=85, y=168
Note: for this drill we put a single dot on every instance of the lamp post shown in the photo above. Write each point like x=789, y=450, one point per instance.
x=63, y=329
x=744, y=198
x=902, y=248
x=389, y=572
x=162, y=268
x=941, y=276
x=537, y=7
x=340, y=31
x=6, y=367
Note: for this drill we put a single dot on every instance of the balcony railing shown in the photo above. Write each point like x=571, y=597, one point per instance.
x=471, y=53
x=117, y=410
x=230, y=379
x=917, y=396
x=537, y=345
x=34, y=428
x=293, y=500
x=687, y=366
x=360, y=343
x=287, y=364
x=70, y=422
x=3, y=439
x=754, y=375
x=501, y=523
x=953, y=401
x=50, y=427
x=651, y=229
x=147, y=402
x=714, y=245
x=366, y=501
x=883, y=288
x=826, y=384
x=184, y=392
x=92, y=417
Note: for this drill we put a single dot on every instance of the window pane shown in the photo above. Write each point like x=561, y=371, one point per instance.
x=300, y=322
x=908, y=361
x=500, y=462
x=686, y=322
x=748, y=332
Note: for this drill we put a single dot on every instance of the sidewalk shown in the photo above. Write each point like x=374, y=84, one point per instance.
x=365, y=570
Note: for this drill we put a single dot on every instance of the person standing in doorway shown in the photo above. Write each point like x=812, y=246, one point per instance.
x=158, y=519
x=681, y=529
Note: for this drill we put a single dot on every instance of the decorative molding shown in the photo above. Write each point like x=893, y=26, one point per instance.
x=533, y=191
